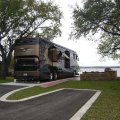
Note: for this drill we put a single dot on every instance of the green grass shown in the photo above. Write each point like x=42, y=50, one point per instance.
x=107, y=106
x=8, y=79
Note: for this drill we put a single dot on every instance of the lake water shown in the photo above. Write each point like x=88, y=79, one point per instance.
x=99, y=69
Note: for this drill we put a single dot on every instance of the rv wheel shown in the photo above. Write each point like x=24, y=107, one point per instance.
x=15, y=80
x=74, y=73
x=55, y=76
x=51, y=76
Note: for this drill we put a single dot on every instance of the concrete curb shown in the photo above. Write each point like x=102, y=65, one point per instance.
x=4, y=97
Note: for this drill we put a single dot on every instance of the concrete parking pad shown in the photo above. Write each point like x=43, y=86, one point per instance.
x=60, y=105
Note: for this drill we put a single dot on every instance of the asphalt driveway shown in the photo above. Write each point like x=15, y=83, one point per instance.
x=7, y=88
x=61, y=105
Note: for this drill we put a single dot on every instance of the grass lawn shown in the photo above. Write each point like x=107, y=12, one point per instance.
x=8, y=79
x=107, y=106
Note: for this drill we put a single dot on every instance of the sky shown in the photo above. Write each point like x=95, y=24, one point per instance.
x=86, y=50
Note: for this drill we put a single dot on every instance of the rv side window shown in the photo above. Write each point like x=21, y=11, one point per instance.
x=75, y=57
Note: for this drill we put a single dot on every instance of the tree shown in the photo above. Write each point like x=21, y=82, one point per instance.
x=99, y=16
x=24, y=18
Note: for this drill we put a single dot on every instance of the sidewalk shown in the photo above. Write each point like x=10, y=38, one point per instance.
x=52, y=83
x=44, y=85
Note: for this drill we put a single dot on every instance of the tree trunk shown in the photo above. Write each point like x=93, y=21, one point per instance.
x=6, y=63
x=3, y=63
x=3, y=68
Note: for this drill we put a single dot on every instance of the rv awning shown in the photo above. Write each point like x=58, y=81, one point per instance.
x=61, y=50
x=66, y=56
x=58, y=48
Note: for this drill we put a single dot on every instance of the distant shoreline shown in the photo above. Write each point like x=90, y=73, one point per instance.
x=99, y=66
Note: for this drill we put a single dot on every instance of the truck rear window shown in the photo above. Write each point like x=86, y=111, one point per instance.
x=26, y=64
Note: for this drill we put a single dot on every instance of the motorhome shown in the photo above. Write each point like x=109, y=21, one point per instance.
x=40, y=59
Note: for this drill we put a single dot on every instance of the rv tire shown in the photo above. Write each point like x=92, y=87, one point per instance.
x=55, y=76
x=74, y=73
x=51, y=76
